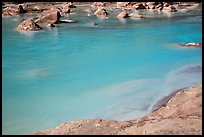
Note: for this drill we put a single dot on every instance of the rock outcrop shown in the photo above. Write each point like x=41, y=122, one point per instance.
x=181, y=113
x=28, y=25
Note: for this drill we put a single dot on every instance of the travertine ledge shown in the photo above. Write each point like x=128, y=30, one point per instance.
x=182, y=114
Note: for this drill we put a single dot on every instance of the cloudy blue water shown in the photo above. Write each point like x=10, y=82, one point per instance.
x=116, y=70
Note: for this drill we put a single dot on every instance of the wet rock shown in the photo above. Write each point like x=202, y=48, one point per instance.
x=50, y=17
x=28, y=25
x=135, y=16
x=192, y=44
x=122, y=4
x=123, y=14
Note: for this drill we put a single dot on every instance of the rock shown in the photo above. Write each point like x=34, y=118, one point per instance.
x=66, y=9
x=71, y=5
x=6, y=14
x=169, y=9
x=135, y=16
x=28, y=25
x=151, y=5
x=99, y=4
x=123, y=14
x=122, y=4
x=13, y=11
x=180, y=113
x=101, y=12
x=139, y=6
x=50, y=25
x=193, y=44
x=88, y=10
x=52, y=17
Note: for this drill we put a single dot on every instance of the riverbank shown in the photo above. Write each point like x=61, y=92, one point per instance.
x=181, y=114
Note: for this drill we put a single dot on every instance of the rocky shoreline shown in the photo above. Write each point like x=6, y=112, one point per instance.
x=179, y=114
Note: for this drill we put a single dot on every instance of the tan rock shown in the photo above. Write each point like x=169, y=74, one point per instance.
x=101, y=12
x=122, y=4
x=169, y=9
x=28, y=25
x=139, y=6
x=99, y=4
x=51, y=25
x=52, y=17
x=123, y=14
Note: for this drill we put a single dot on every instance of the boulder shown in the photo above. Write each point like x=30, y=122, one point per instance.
x=99, y=4
x=50, y=25
x=139, y=6
x=169, y=9
x=28, y=25
x=135, y=16
x=52, y=17
x=66, y=9
x=6, y=14
x=151, y=5
x=122, y=4
x=192, y=44
x=13, y=11
x=71, y=5
x=101, y=12
x=123, y=14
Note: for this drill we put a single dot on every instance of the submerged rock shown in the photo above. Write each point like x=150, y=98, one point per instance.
x=135, y=16
x=28, y=25
x=88, y=10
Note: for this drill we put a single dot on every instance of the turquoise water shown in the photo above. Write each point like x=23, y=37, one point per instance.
x=116, y=70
